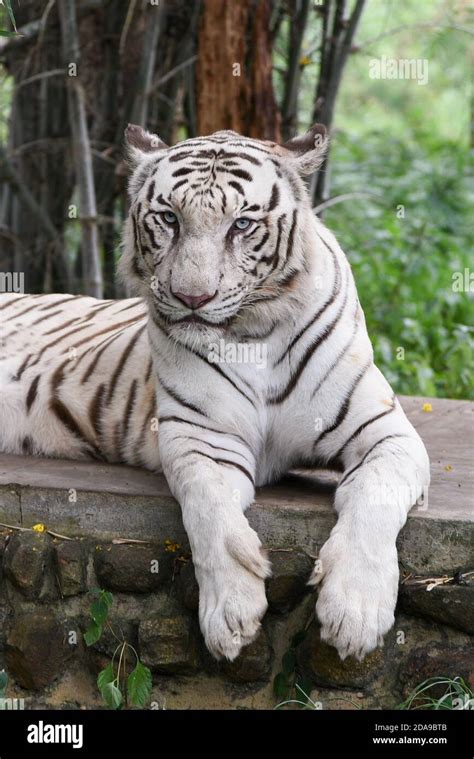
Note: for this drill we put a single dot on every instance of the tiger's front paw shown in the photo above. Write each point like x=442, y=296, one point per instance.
x=358, y=594
x=232, y=597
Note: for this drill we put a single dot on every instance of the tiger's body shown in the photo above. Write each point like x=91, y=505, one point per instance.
x=86, y=378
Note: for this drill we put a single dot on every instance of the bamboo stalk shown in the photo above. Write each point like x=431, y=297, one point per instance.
x=92, y=274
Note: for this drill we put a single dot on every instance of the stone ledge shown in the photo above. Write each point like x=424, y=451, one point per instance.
x=45, y=579
x=107, y=501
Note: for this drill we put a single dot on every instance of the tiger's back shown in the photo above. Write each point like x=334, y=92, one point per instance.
x=76, y=379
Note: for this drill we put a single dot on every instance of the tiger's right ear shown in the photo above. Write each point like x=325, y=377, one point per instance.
x=307, y=151
x=139, y=144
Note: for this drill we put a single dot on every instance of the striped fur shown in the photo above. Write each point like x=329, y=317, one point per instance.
x=89, y=379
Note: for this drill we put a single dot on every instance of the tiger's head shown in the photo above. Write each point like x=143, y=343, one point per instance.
x=216, y=225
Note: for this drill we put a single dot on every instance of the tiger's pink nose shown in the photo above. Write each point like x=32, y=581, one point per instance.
x=194, y=301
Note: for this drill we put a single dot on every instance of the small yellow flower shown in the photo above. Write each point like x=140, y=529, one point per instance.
x=448, y=468
x=305, y=60
x=40, y=527
x=171, y=546
x=427, y=407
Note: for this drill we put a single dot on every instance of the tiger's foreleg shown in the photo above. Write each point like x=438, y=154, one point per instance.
x=211, y=476
x=386, y=471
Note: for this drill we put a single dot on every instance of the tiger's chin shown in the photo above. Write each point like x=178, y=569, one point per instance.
x=196, y=334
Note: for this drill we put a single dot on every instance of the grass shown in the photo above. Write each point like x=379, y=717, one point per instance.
x=436, y=693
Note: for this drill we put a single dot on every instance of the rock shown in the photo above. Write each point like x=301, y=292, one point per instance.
x=446, y=604
x=4, y=614
x=101, y=653
x=168, y=644
x=438, y=661
x=37, y=649
x=71, y=567
x=321, y=663
x=253, y=663
x=131, y=568
x=188, y=587
x=26, y=562
x=288, y=584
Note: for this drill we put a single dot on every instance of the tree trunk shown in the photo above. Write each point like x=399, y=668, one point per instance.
x=234, y=70
x=337, y=36
x=91, y=264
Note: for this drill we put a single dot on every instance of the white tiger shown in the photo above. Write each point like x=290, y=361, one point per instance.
x=228, y=259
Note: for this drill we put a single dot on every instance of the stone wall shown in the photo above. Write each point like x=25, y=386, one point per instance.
x=44, y=610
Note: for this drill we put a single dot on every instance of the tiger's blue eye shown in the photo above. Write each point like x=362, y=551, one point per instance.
x=242, y=223
x=169, y=217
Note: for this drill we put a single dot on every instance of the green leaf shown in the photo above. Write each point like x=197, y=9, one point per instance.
x=6, y=33
x=10, y=13
x=105, y=677
x=99, y=611
x=280, y=685
x=139, y=685
x=288, y=662
x=112, y=696
x=3, y=683
x=297, y=638
x=92, y=634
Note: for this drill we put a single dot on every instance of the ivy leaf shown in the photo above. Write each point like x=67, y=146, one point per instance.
x=92, y=634
x=288, y=662
x=112, y=696
x=139, y=685
x=280, y=685
x=99, y=611
x=3, y=683
x=105, y=677
x=8, y=5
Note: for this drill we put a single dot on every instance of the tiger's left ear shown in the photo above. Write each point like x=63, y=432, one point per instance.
x=307, y=151
x=139, y=143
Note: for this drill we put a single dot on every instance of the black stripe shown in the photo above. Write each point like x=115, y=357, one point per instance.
x=344, y=408
x=32, y=393
x=205, y=442
x=179, y=399
x=240, y=174
x=221, y=461
x=334, y=293
x=362, y=461
x=90, y=369
x=364, y=425
x=123, y=360
x=291, y=237
x=150, y=191
x=336, y=360
x=237, y=186
x=179, y=420
x=129, y=407
x=22, y=368
x=308, y=355
x=63, y=414
x=262, y=242
x=182, y=172
x=95, y=410
x=274, y=198
x=179, y=184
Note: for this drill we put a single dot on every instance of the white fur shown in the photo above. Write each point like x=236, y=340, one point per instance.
x=357, y=569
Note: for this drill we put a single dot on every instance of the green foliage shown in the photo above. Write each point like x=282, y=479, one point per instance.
x=288, y=685
x=455, y=694
x=405, y=247
x=3, y=683
x=115, y=688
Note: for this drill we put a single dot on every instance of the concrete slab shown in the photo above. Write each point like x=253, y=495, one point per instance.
x=106, y=501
